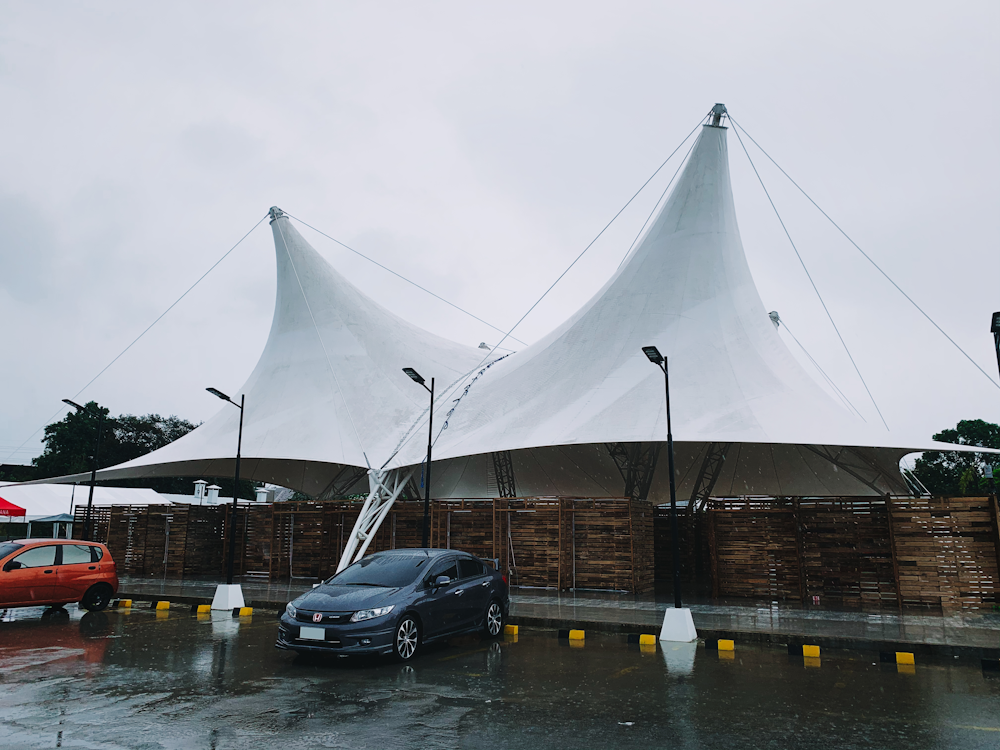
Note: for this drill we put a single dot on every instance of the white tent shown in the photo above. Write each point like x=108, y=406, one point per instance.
x=40, y=500
x=328, y=397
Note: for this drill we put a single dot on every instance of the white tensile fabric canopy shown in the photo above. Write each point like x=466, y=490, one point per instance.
x=329, y=393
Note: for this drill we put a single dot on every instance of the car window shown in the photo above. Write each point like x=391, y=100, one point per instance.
x=96, y=553
x=446, y=568
x=469, y=567
x=37, y=557
x=75, y=554
x=7, y=547
x=391, y=571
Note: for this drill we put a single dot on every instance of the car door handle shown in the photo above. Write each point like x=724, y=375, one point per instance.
x=485, y=583
x=92, y=567
x=459, y=592
x=49, y=571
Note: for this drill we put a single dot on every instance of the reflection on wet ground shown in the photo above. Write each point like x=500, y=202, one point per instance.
x=168, y=679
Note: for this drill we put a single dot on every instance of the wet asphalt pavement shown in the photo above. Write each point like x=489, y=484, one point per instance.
x=145, y=679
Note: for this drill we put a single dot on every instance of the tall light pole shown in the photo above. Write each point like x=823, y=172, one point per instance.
x=232, y=525
x=996, y=334
x=93, y=465
x=415, y=377
x=654, y=356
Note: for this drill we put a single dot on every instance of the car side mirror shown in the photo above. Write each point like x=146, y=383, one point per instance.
x=441, y=581
x=11, y=565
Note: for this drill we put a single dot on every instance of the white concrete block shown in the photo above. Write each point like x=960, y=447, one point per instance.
x=678, y=625
x=228, y=596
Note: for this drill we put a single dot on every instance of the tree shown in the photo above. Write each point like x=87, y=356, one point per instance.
x=954, y=473
x=69, y=445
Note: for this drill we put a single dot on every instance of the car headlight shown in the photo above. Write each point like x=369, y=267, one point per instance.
x=368, y=614
x=290, y=610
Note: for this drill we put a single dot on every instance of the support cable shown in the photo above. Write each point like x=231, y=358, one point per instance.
x=809, y=276
x=829, y=380
x=599, y=234
x=400, y=276
x=867, y=257
x=136, y=339
x=659, y=200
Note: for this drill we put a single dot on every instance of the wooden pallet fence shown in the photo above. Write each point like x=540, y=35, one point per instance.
x=846, y=550
x=946, y=551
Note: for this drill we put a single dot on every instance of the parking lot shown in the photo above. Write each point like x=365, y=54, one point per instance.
x=170, y=679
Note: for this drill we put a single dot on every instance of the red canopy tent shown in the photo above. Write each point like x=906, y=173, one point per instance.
x=9, y=509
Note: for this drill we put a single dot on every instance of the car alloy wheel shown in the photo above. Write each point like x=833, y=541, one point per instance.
x=407, y=638
x=494, y=619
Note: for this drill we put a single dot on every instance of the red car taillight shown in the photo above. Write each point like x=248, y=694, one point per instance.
x=504, y=579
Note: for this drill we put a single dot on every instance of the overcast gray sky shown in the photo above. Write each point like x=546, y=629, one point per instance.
x=477, y=148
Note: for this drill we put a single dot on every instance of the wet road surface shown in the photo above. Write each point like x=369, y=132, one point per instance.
x=145, y=679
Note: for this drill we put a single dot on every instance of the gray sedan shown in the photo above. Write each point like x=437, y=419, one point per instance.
x=393, y=602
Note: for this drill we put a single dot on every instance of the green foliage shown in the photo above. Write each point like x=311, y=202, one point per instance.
x=69, y=445
x=17, y=473
x=952, y=473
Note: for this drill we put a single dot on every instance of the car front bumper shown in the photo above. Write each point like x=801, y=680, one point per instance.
x=374, y=637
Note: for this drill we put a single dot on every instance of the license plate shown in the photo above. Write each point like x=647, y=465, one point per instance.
x=312, y=634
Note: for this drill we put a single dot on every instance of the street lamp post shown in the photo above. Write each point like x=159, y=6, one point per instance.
x=232, y=596
x=654, y=356
x=93, y=465
x=678, y=626
x=995, y=328
x=415, y=377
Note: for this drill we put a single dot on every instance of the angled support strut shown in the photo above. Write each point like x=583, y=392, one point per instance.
x=385, y=488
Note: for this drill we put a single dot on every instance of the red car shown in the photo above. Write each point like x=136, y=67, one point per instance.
x=36, y=572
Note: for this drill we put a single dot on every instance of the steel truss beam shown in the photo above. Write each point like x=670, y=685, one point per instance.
x=346, y=478
x=708, y=475
x=839, y=458
x=636, y=463
x=385, y=488
x=503, y=470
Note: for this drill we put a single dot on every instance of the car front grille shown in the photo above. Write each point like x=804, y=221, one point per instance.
x=329, y=618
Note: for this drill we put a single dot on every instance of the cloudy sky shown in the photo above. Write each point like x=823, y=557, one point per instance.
x=476, y=149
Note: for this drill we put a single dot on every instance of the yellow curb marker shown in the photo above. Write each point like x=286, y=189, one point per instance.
x=811, y=651
x=204, y=609
x=726, y=645
x=904, y=657
x=163, y=605
x=510, y=629
x=647, y=640
x=244, y=611
x=125, y=603
x=577, y=635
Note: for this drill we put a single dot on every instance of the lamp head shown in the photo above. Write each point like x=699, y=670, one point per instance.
x=219, y=394
x=653, y=354
x=74, y=405
x=413, y=375
x=996, y=323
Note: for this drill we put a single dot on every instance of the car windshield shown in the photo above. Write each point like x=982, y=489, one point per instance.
x=390, y=571
x=7, y=547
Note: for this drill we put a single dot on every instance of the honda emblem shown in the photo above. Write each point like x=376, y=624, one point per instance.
x=318, y=617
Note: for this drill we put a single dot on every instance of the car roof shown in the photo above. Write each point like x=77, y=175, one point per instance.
x=39, y=540
x=429, y=552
